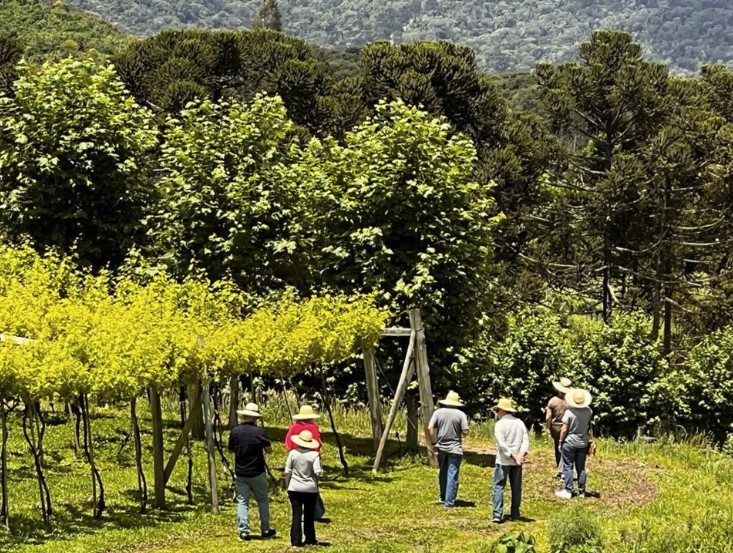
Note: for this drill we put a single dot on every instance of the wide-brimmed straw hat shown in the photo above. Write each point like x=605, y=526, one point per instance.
x=250, y=410
x=305, y=439
x=563, y=385
x=505, y=404
x=306, y=413
x=452, y=400
x=577, y=397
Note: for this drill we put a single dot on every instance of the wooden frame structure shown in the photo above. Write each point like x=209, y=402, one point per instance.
x=416, y=360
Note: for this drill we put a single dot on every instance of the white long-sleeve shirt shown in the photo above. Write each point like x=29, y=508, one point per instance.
x=511, y=437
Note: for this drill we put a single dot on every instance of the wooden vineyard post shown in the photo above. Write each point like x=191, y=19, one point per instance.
x=210, y=450
x=408, y=369
x=375, y=405
x=208, y=422
x=233, y=401
x=423, y=379
x=158, y=467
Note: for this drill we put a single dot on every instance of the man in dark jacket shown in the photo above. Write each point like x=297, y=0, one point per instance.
x=249, y=444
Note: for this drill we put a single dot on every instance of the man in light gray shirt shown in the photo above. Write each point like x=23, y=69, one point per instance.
x=512, y=444
x=574, y=441
x=447, y=427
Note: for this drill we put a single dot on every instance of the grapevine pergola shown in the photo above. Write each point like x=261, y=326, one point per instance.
x=116, y=339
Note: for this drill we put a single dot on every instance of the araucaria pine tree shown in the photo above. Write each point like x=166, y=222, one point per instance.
x=268, y=16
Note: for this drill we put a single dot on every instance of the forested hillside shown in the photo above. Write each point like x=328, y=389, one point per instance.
x=51, y=31
x=506, y=35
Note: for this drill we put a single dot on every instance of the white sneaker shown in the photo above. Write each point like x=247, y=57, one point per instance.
x=563, y=494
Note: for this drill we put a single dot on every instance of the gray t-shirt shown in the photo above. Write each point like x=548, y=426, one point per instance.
x=449, y=425
x=304, y=467
x=578, y=421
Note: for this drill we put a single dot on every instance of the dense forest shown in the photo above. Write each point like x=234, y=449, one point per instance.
x=56, y=30
x=506, y=35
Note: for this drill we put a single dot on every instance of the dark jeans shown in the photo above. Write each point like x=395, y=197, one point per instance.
x=502, y=473
x=304, y=508
x=574, y=457
x=555, y=433
x=450, y=467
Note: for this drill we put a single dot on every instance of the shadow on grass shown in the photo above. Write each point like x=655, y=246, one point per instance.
x=480, y=459
x=70, y=520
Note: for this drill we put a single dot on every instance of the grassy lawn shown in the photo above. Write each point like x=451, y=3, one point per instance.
x=647, y=497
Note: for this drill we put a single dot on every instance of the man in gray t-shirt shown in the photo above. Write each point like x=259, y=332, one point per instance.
x=575, y=437
x=447, y=427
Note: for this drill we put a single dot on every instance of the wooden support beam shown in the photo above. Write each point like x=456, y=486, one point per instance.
x=375, y=405
x=193, y=412
x=396, y=332
x=16, y=339
x=427, y=405
x=408, y=370
x=210, y=451
x=159, y=471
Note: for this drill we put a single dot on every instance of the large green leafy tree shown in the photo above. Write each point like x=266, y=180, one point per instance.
x=169, y=70
x=73, y=147
x=399, y=213
x=231, y=194
x=617, y=101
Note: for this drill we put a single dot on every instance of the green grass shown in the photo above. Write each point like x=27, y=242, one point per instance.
x=652, y=497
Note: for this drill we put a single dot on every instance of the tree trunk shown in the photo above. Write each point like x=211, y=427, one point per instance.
x=667, y=341
x=198, y=430
x=98, y=505
x=32, y=440
x=142, y=484
x=607, y=300
x=4, y=513
x=158, y=461
x=187, y=446
x=213, y=482
x=327, y=404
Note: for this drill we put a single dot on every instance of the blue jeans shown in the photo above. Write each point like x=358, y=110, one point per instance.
x=502, y=473
x=450, y=466
x=574, y=457
x=246, y=486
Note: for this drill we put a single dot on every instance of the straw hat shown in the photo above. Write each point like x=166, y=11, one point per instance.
x=306, y=413
x=451, y=399
x=563, y=385
x=505, y=404
x=250, y=410
x=578, y=397
x=305, y=439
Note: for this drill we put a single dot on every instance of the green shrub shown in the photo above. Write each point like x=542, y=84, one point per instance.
x=575, y=531
x=514, y=542
x=623, y=369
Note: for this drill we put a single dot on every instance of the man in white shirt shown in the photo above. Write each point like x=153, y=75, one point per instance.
x=512, y=444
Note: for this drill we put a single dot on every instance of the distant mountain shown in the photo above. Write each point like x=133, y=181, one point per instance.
x=507, y=35
x=46, y=30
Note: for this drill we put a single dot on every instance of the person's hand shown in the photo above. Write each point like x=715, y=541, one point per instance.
x=518, y=457
x=434, y=449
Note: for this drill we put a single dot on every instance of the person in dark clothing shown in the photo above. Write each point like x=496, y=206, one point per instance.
x=249, y=444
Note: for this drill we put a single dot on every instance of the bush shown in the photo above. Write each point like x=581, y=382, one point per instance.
x=704, y=385
x=575, y=531
x=514, y=542
x=623, y=369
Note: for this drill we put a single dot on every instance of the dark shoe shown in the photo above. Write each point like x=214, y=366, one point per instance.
x=269, y=534
x=243, y=536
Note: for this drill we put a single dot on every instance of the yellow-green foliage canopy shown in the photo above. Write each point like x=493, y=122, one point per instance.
x=114, y=337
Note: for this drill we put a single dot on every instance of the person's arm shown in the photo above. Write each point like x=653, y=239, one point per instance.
x=288, y=469
x=563, y=434
x=464, y=425
x=266, y=443
x=525, y=444
x=548, y=418
x=433, y=433
x=317, y=466
x=232, y=442
x=289, y=445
